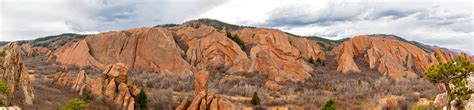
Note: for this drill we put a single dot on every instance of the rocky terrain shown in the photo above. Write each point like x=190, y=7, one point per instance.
x=208, y=64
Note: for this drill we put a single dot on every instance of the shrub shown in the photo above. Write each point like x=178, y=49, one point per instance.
x=3, y=53
x=423, y=107
x=4, y=88
x=141, y=99
x=75, y=104
x=236, y=39
x=179, y=83
x=316, y=63
x=330, y=104
x=255, y=100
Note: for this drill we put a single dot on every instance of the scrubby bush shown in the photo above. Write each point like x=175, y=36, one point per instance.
x=255, y=100
x=179, y=83
x=75, y=104
x=4, y=88
x=141, y=99
x=423, y=107
x=330, y=104
x=162, y=100
x=236, y=39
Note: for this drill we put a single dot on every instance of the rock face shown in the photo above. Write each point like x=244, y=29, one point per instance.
x=150, y=49
x=14, y=73
x=208, y=48
x=441, y=100
x=391, y=57
x=277, y=55
x=444, y=56
x=27, y=50
x=202, y=99
x=113, y=85
x=116, y=86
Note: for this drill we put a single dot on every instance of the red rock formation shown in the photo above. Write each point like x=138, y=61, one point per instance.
x=14, y=74
x=210, y=48
x=391, y=57
x=274, y=54
x=150, y=49
x=444, y=56
x=113, y=85
x=29, y=51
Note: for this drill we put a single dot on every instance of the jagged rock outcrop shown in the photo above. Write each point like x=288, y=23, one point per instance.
x=14, y=74
x=113, y=85
x=443, y=55
x=441, y=100
x=116, y=86
x=62, y=79
x=79, y=82
x=203, y=100
x=29, y=51
x=208, y=48
x=391, y=57
x=148, y=49
x=277, y=55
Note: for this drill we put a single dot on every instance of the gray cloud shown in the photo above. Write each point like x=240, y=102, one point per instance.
x=427, y=22
x=28, y=19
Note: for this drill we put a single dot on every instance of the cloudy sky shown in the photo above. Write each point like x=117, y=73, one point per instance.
x=448, y=23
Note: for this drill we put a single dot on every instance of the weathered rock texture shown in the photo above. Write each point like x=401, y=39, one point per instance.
x=29, y=51
x=443, y=55
x=203, y=100
x=391, y=57
x=113, y=85
x=276, y=54
x=149, y=49
x=14, y=74
x=208, y=48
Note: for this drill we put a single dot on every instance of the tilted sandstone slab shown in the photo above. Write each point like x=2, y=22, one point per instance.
x=210, y=48
x=28, y=50
x=391, y=57
x=147, y=49
x=443, y=55
x=274, y=54
x=15, y=74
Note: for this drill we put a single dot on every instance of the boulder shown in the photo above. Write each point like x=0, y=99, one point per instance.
x=441, y=100
x=110, y=89
x=122, y=93
x=118, y=71
x=80, y=80
x=184, y=104
x=134, y=90
x=195, y=104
